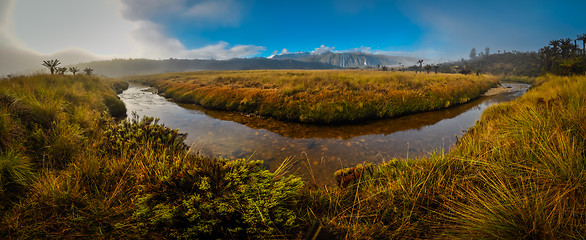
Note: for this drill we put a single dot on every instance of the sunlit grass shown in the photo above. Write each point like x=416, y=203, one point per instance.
x=324, y=96
x=69, y=171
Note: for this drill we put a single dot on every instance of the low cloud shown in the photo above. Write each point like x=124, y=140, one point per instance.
x=322, y=49
x=152, y=43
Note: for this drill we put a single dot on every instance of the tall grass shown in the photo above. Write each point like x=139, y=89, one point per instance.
x=320, y=96
x=520, y=173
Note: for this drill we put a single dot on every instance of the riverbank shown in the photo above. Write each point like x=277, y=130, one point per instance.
x=68, y=171
x=320, y=96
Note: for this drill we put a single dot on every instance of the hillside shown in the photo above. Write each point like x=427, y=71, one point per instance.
x=346, y=60
x=130, y=67
x=507, y=64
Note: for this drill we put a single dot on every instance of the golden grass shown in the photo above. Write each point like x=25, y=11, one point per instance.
x=320, y=96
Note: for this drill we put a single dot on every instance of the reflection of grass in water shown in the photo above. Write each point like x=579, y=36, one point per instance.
x=320, y=96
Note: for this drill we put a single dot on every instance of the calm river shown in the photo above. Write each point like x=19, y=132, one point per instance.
x=318, y=151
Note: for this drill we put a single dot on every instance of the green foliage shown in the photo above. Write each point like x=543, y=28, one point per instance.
x=16, y=172
x=208, y=199
x=120, y=139
x=564, y=57
x=115, y=106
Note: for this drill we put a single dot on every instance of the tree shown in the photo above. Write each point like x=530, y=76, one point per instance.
x=436, y=67
x=427, y=68
x=487, y=51
x=51, y=65
x=61, y=70
x=420, y=61
x=88, y=71
x=73, y=70
x=473, y=53
x=583, y=39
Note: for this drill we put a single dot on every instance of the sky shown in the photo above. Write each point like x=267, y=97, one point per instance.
x=82, y=30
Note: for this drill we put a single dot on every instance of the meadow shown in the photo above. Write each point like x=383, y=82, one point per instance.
x=319, y=96
x=69, y=170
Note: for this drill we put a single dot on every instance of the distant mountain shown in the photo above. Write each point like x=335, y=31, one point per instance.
x=351, y=59
x=15, y=60
x=129, y=67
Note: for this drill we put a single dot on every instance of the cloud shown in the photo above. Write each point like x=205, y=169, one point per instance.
x=361, y=49
x=154, y=44
x=204, y=13
x=322, y=49
x=150, y=36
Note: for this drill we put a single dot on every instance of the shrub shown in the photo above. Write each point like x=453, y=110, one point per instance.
x=120, y=139
x=115, y=106
x=219, y=199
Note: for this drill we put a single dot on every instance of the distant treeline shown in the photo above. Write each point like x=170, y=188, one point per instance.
x=564, y=56
x=130, y=67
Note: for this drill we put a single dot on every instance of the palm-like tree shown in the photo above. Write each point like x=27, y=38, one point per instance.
x=51, y=65
x=73, y=70
x=61, y=70
x=583, y=39
x=88, y=71
x=566, y=47
x=555, y=46
x=420, y=61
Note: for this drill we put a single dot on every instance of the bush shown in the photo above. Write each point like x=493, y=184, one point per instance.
x=211, y=199
x=121, y=139
x=115, y=106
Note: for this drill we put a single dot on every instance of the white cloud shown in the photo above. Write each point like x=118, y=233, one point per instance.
x=361, y=49
x=322, y=49
x=154, y=44
x=284, y=51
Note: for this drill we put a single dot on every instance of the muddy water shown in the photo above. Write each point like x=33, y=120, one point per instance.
x=317, y=151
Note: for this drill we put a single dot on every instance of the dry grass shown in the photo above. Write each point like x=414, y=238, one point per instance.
x=320, y=96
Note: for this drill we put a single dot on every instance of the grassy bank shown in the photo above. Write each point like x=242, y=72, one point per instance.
x=520, y=173
x=320, y=96
x=69, y=171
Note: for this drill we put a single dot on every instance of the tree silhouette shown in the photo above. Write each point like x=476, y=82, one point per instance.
x=51, y=65
x=436, y=67
x=473, y=53
x=61, y=70
x=583, y=39
x=486, y=51
x=88, y=71
x=420, y=61
x=427, y=68
x=73, y=70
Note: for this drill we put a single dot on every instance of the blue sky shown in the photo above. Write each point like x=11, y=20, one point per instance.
x=223, y=29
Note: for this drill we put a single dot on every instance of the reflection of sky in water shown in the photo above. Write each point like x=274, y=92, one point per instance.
x=324, y=149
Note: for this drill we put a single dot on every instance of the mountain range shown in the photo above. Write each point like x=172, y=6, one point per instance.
x=349, y=59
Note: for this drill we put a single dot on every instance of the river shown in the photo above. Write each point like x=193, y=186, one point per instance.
x=317, y=151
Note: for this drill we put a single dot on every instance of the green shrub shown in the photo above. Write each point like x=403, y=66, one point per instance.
x=115, y=106
x=124, y=138
x=209, y=199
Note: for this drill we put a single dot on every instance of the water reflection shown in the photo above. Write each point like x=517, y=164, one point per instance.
x=319, y=150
